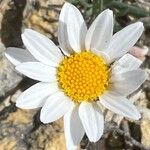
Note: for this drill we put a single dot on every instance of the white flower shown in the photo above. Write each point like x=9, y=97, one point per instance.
x=94, y=70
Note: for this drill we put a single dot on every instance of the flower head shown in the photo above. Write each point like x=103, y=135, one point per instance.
x=83, y=76
x=90, y=68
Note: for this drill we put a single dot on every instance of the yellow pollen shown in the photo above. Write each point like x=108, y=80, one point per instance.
x=83, y=76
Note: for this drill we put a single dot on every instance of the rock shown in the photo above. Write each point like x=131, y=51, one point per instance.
x=21, y=116
x=8, y=144
x=56, y=143
x=48, y=137
x=9, y=79
x=42, y=16
x=9, y=29
x=145, y=129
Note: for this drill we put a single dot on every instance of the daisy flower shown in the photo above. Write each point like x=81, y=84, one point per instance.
x=91, y=67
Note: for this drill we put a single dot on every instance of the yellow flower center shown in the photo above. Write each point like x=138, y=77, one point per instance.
x=83, y=76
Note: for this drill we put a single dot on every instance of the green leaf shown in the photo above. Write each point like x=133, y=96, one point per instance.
x=107, y=2
x=124, y=9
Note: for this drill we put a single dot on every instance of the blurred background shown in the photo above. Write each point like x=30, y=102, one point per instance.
x=22, y=129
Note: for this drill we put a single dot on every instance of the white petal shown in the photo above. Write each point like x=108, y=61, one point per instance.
x=119, y=105
x=126, y=63
x=92, y=120
x=76, y=28
x=62, y=31
x=41, y=47
x=18, y=55
x=128, y=82
x=100, y=32
x=55, y=107
x=37, y=71
x=123, y=40
x=102, y=54
x=36, y=95
x=73, y=128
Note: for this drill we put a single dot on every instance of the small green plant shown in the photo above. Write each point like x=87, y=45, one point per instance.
x=91, y=8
